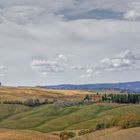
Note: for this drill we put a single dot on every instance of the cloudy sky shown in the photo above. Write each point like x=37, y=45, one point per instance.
x=45, y=42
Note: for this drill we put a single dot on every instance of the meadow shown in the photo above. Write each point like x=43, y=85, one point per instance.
x=48, y=118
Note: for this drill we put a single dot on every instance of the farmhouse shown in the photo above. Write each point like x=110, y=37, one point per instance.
x=93, y=98
x=97, y=98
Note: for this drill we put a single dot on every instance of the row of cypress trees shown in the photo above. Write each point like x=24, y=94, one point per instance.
x=124, y=98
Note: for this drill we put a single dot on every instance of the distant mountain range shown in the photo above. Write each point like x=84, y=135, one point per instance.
x=127, y=86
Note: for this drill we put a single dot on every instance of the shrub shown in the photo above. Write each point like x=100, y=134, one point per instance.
x=12, y=102
x=28, y=102
x=129, y=120
x=114, y=121
x=102, y=126
x=91, y=130
x=83, y=132
x=67, y=135
x=33, y=102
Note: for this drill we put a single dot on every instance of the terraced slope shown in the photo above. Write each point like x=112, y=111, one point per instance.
x=112, y=134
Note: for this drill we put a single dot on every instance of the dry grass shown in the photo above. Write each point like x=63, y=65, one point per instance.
x=23, y=93
x=7, y=134
x=112, y=134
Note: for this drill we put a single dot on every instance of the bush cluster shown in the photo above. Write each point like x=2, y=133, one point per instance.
x=67, y=135
x=83, y=132
x=102, y=126
x=124, y=121
x=28, y=102
x=12, y=102
x=129, y=120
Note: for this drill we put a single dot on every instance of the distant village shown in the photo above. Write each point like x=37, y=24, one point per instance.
x=112, y=98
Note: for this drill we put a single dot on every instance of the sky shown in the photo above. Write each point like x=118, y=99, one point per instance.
x=47, y=42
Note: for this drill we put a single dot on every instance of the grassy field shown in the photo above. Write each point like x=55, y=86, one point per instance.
x=48, y=118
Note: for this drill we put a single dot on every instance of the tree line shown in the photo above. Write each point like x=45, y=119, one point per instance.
x=122, y=98
x=28, y=102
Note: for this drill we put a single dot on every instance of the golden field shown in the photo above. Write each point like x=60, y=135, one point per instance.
x=23, y=93
x=112, y=134
x=8, y=134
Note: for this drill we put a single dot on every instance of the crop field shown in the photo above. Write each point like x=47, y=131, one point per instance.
x=24, y=93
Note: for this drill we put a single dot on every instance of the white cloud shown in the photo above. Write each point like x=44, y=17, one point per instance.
x=2, y=68
x=115, y=63
x=55, y=65
x=1, y=74
x=38, y=29
x=45, y=67
x=47, y=11
x=126, y=60
x=23, y=15
x=77, y=67
x=86, y=76
x=62, y=57
x=89, y=70
x=33, y=12
x=97, y=73
x=132, y=15
x=85, y=38
x=129, y=55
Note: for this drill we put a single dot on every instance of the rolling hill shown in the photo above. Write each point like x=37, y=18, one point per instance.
x=9, y=134
x=49, y=118
x=24, y=93
x=128, y=86
x=36, y=122
x=112, y=134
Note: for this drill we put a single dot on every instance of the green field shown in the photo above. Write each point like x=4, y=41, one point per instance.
x=49, y=118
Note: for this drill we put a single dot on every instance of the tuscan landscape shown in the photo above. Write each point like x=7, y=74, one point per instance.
x=43, y=113
x=69, y=69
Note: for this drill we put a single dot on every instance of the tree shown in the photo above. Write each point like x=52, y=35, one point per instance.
x=87, y=98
